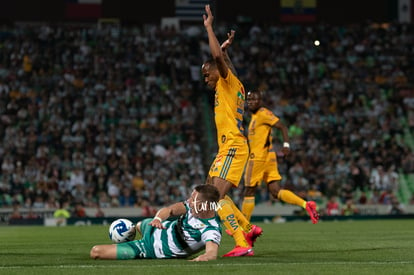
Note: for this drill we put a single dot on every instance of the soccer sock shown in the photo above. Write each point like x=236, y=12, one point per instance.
x=241, y=218
x=225, y=211
x=291, y=198
x=248, y=207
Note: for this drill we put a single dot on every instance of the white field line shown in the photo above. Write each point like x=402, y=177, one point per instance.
x=187, y=264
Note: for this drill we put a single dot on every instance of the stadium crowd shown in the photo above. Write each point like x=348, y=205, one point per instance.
x=112, y=116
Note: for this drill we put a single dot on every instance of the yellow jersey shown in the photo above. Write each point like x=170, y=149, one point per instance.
x=229, y=109
x=260, y=133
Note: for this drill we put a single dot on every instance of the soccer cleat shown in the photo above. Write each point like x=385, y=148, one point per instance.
x=228, y=232
x=251, y=253
x=239, y=251
x=253, y=234
x=313, y=213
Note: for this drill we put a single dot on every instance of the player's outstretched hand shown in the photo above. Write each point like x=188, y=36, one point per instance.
x=285, y=151
x=230, y=38
x=208, y=19
x=201, y=258
x=157, y=223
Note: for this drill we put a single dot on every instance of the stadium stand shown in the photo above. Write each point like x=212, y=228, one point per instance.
x=114, y=117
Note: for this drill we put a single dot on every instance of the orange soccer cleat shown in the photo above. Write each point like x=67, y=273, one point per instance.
x=253, y=234
x=240, y=251
x=313, y=213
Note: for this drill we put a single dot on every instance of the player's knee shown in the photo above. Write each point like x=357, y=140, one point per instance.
x=138, y=227
x=274, y=188
x=249, y=191
x=222, y=185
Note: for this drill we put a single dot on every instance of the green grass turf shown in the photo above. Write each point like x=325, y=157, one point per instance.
x=337, y=247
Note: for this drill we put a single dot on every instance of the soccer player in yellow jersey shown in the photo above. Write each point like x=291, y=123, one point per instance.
x=262, y=163
x=227, y=168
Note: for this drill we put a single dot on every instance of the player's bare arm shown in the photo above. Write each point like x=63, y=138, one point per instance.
x=210, y=254
x=215, y=49
x=176, y=209
x=282, y=127
x=224, y=46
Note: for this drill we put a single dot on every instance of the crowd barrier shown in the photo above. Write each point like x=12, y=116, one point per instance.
x=263, y=213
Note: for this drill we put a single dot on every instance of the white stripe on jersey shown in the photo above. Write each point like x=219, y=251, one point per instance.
x=174, y=249
x=159, y=253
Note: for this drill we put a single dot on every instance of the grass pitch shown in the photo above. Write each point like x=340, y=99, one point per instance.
x=337, y=247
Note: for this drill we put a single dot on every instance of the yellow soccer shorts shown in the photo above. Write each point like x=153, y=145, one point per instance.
x=261, y=170
x=230, y=162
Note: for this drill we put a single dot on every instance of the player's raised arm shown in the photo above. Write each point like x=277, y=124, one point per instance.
x=224, y=46
x=215, y=48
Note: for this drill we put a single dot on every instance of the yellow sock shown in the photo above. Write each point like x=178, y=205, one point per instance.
x=291, y=198
x=227, y=216
x=241, y=218
x=248, y=207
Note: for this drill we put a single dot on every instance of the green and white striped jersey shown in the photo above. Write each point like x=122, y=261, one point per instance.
x=195, y=232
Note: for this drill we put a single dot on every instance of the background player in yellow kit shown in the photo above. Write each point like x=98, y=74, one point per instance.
x=262, y=163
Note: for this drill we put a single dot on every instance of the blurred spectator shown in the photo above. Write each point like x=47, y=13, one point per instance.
x=363, y=198
x=126, y=197
x=62, y=213
x=99, y=212
x=395, y=207
x=332, y=207
x=349, y=209
x=411, y=202
x=377, y=177
x=16, y=212
x=146, y=209
x=314, y=194
x=31, y=214
x=79, y=211
x=386, y=197
x=357, y=175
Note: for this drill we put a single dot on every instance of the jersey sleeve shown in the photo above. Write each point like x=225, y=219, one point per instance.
x=211, y=234
x=268, y=117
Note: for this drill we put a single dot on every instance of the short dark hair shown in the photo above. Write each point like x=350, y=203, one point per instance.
x=211, y=62
x=256, y=91
x=208, y=192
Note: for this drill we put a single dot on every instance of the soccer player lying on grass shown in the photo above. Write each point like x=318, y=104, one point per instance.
x=198, y=227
